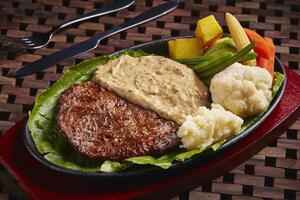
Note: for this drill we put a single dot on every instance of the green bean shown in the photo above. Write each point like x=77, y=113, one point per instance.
x=193, y=61
x=223, y=63
x=201, y=59
x=249, y=56
x=210, y=63
x=227, y=45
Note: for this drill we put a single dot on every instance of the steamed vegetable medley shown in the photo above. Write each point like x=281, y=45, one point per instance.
x=239, y=70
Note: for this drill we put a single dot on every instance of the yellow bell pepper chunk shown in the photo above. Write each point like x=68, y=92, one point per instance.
x=171, y=44
x=185, y=48
x=208, y=29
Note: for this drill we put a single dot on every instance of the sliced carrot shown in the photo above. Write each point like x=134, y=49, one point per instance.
x=271, y=45
x=262, y=62
x=265, y=63
x=261, y=47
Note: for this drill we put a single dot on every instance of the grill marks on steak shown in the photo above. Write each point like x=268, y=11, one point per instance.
x=101, y=125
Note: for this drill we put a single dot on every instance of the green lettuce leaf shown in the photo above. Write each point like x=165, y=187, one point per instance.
x=53, y=146
x=164, y=161
x=278, y=80
x=113, y=166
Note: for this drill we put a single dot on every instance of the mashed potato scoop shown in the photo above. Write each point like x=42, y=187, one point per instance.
x=208, y=126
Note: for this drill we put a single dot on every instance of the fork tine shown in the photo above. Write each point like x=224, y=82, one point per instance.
x=9, y=41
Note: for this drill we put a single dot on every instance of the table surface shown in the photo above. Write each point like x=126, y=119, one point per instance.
x=272, y=173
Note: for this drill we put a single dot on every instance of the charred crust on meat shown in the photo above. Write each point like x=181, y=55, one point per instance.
x=102, y=126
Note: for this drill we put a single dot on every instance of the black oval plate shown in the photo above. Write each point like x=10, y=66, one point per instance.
x=158, y=47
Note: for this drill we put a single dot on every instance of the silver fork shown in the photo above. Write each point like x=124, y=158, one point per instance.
x=38, y=40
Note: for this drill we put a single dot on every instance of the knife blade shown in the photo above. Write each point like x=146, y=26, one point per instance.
x=92, y=43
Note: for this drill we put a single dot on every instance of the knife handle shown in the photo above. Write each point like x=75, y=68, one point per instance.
x=116, y=6
x=140, y=19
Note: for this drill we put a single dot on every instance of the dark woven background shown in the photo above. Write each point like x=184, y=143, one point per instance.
x=273, y=173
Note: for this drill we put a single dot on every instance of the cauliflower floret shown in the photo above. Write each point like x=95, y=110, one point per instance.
x=208, y=126
x=243, y=90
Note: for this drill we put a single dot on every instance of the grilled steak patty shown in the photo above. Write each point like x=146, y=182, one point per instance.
x=101, y=125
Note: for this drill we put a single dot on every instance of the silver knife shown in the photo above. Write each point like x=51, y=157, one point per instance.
x=93, y=42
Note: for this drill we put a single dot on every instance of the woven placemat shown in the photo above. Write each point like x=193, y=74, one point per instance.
x=273, y=173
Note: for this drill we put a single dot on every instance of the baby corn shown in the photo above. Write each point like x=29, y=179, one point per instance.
x=239, y=36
